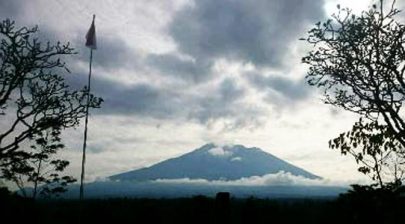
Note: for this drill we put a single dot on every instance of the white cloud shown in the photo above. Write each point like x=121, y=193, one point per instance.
x=357, y=6
x=278, y=179
x=220, y=152
x=236, y=159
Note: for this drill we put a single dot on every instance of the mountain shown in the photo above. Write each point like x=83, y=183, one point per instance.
x=265, y=176
x=212, y=162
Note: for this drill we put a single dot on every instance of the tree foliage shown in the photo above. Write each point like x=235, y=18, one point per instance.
x=375, y=149
x=39, y=167
x=359, y=63
x=33, y=94
x=36, y=104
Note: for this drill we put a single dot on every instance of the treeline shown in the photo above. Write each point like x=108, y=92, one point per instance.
x=361, y=207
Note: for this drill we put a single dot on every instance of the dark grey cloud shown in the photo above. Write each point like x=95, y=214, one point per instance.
x=253, y=31
x=138, y=99
x=193, y=71
x=145, y=99
x=10, y=9
x=14, y=10
x=280, y=90
x=112, y=53
x=250, y=31
x=224, y=101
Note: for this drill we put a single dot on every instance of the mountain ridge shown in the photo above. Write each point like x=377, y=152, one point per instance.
x=213, y=162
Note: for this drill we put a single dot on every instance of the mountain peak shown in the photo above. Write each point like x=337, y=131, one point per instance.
x=214, y=162
x=223, y=151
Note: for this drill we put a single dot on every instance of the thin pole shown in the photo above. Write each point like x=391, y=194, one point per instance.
x=85, y=128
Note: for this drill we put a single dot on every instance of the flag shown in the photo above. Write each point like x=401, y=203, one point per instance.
x=91, y=36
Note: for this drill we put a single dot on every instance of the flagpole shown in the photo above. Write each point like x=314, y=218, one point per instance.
x=85, y=124
x=85, y=128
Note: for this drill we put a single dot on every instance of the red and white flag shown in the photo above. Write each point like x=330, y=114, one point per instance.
x=91, y=36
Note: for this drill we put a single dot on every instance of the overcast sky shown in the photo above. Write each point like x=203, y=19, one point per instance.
x=178, y=74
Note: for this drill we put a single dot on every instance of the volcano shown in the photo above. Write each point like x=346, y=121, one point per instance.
x=213, y=162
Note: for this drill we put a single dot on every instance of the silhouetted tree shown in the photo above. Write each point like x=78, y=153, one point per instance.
x=375, y=149
x=33, y=94
x=39, y=166
x=359, y=62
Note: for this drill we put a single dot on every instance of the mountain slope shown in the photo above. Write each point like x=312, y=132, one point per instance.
x=211, y=162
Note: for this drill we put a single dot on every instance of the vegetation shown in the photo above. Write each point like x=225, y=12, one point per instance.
x=348, y=209
x=39, y=167
x=358, y=61
x=375, y=149
x=35, y=106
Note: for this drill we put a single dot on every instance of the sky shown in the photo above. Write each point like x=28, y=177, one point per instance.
x=175, y=75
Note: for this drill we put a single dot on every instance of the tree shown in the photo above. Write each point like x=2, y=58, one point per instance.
x=33, y=94
x=359, y=63
x=39, y=166
x=375, y=149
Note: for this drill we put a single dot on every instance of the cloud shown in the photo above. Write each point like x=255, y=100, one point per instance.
x=236, y=159
x=141, y=99
x=251, y=31
x=223, y=101
x=280, y=90
x=192, y=71
x=182, y=84
x=220, y=152
x=9, y=9
x=112, y=53
x=278, y=179
x=178, y=65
